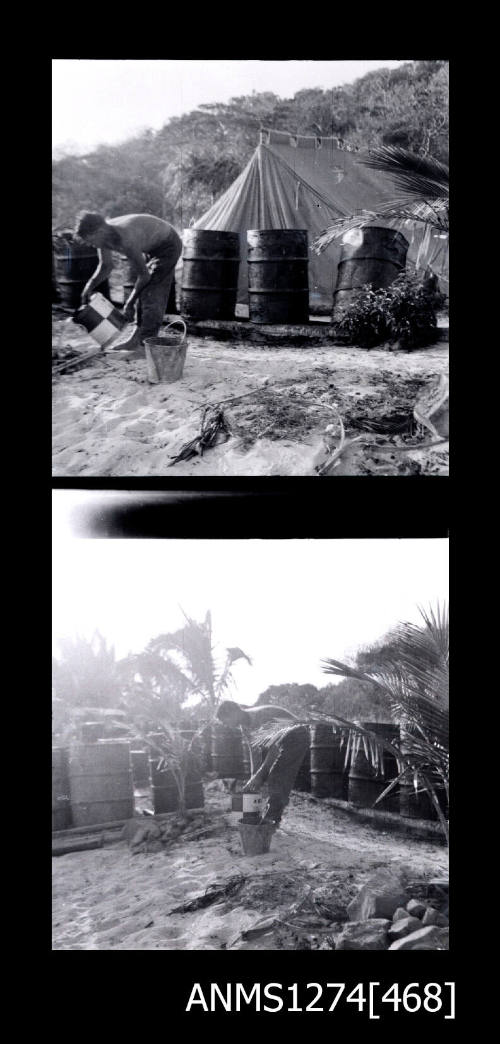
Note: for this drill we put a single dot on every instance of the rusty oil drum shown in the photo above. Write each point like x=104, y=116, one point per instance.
x=210, y=265
x=61, y=806
x=327, y=762
x=101, y=784
x=366, y=784
x=278, y=277
x=303, y=780
x=376, y=255
x=74, y=264
x=227, y=752
x=417, y=803
x=165, y=792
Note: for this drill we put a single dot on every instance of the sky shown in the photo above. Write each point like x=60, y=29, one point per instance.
x=286, y=603
x=102, y=101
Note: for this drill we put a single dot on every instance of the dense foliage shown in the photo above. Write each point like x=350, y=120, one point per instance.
x=178, y=171
x=404, y=312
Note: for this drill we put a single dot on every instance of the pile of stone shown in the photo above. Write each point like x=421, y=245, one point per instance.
x=381, y=917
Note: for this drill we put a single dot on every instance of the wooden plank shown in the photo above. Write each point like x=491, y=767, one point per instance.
x=76, y=844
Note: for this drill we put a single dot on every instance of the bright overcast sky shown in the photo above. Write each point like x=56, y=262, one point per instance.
x=286, y=603
x=101, y=101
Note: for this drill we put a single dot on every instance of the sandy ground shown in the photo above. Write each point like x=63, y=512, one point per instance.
x=108, y=420
x=111, y=899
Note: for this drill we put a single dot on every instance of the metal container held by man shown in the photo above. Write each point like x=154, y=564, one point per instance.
x=278, y=277
x=374, y=255
x=327, y=761
x=61, y=806
x=366, y=783
x=74, y=264
x=165, y=790
x=227, y=752
x=101, y=783
x=210, y=264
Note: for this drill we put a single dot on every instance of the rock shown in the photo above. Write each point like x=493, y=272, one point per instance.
x=403, y=926
x=364, y=935
x=429, y=938
x=399, y=913
x=432, y=916
x=382, y=894
x=438, y=886
x=415, y=908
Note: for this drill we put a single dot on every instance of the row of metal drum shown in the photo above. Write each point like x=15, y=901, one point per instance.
x=93, y=782
x=278, y=277
x=323, y=772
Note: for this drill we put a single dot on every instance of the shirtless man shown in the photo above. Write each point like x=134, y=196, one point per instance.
x=283, y=758
x=153, y=246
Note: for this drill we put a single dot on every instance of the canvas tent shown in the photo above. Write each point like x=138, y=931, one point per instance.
x=294, y=181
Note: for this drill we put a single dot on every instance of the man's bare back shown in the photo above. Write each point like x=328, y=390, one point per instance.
x=143, y=232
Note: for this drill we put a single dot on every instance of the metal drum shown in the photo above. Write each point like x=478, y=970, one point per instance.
x=303, y=780
x=227, y=752
x=278, y=278
x=210, y=264
x=417, y=804
x=101, y=784
x=374, y=255
x=327, y=762
x=165, y=792
x=365, y=782
x=74, y=264
x=61, y=807
x=140, y=767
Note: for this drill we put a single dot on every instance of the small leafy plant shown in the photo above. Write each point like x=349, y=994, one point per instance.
x=405, y=311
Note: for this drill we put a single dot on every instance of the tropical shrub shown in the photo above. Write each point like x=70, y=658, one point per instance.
x=405, y=311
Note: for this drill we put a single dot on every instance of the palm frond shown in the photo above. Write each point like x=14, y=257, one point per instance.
x=418, y=175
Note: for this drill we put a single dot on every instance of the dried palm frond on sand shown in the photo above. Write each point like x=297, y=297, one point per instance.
x=214, y=430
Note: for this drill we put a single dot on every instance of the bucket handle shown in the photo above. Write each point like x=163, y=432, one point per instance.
x=175, y=322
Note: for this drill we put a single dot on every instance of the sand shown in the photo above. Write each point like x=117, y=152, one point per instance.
x=111, y=899
x=108, y=420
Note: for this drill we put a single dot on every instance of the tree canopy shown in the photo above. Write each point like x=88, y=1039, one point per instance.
x=178, y=171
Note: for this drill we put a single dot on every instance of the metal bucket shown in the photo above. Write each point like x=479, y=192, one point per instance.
x=210, y=264
x=101, y=784
x=327, y=762
x=166, y=355
x=278, y=279
x=256, y=837
x=101, y=320
x=375, y=255
x=61, y=807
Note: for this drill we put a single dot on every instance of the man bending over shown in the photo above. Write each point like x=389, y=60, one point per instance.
x=283, y=758
x=153, y=246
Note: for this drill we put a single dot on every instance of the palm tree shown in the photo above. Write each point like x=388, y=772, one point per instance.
x=414, y=675
x=424, y=182
x=157, y=682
